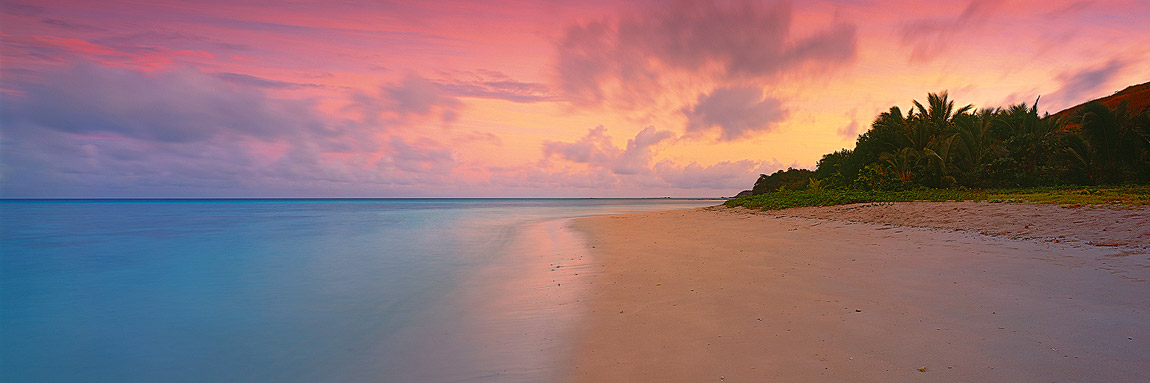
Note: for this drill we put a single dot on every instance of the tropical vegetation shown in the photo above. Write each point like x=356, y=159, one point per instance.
x=943, y=151
x=1118, y=197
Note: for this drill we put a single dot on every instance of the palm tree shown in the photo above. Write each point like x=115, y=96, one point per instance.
x=974, y=137
x=939, y=155
x=1102, y=128
x=1028, y=139
x=1140, y=140
x=929, y=133
x=1119, y=140
x=890, y=129
x=887, y=134
x=935, y=119
x=902, y=162
x=1080, y=155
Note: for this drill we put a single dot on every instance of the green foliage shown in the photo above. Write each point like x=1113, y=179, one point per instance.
x=1114, y=143
x=939, y=145
x=798, y=198
x=791, y=179
x=974, y=143
x=833, y=169
x=1115, y=196
x=1029, y=143
x=815, y=185
x=877, y=177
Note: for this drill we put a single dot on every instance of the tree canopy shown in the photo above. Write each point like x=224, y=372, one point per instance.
x=942, y=145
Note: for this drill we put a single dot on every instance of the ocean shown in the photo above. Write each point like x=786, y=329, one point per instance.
x=308, y=290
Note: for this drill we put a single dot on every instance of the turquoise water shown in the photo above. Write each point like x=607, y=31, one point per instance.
x=289, y=290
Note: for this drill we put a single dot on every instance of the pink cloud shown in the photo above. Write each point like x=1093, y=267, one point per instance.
x=851, y=130
x=113, y=131
x=737, y=112
x=930, y=37
x=595, y=148
x=613, y=167
x=423, y=156
x=732, y=175
x=744, y=40
x=636, y=158
x=418, y=96
x=235, y=98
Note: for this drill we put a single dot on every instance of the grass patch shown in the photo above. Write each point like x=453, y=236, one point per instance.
x=1114, y=196
x=1117, y=196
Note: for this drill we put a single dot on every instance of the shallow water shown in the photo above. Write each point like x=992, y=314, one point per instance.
x=291, y=290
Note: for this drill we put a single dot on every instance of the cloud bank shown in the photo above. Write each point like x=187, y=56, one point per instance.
x=91, y=130
x=107, y=131
x=610, y=166
x=743, y=40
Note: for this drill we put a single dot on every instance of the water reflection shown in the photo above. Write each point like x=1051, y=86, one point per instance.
x=317, y=290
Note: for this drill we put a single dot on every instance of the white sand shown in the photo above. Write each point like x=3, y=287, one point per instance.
x=1096, y=225
x=728, y=295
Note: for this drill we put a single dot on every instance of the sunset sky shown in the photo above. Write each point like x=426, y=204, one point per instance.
x=261, y=98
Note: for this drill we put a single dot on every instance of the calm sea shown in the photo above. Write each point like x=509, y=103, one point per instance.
x=292, y=290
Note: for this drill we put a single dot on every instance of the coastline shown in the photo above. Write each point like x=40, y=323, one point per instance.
x=721, y=294
x=1092, y=225
x=509, y=320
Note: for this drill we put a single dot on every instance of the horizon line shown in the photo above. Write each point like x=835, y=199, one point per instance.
x=327, y=198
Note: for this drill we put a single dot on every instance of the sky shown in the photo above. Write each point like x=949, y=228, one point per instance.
x=508, y=98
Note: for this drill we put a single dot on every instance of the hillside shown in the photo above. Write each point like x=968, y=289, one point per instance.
x=1137, y=95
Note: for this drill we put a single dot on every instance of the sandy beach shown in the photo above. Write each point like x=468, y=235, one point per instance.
x=953, y=292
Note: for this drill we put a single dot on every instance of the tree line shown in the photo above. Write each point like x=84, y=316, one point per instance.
x=939, y=145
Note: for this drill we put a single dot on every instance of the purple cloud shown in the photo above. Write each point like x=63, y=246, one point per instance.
x=477, y=136
x=177, y=106
x=423, y=156
x=744, y=40
x=737, y=111
x=1070, y=9
x=97, y=131
x=499, y=90
x=19, y=9
x=586, y=61
x=928, y=38
x=416, y=95
x=1086, y=83
x=595, y=148
x=610, y=166
x=494, y=85
x=72, y=26
x=260, y=82
x=49, y=163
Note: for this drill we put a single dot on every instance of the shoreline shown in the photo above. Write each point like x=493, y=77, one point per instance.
x=509, y=320
x=725, y=294
x=1097, y=225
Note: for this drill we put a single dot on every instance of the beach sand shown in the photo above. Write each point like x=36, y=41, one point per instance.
x=730, y=295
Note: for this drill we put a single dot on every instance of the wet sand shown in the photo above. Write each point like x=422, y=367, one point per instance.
x=729, y=295
x=509, y=320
